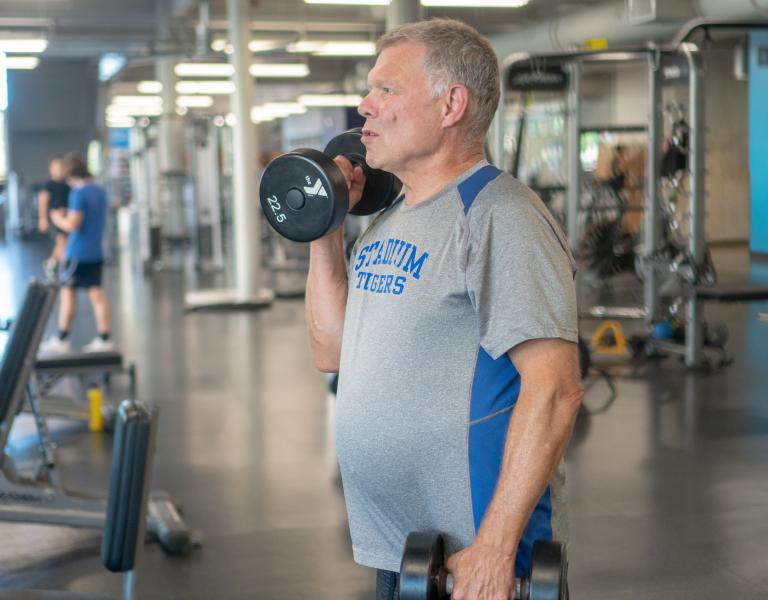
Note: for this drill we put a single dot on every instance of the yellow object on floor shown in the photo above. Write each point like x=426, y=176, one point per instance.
x=609, y=338
x=95, y=418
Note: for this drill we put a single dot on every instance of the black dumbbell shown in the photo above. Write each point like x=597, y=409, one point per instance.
x=423, y=575
x=304, y=194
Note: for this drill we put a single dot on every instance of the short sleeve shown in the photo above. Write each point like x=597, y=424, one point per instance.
x=519, y=273
x=76, y=201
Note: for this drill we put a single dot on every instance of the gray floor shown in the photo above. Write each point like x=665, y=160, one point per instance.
x=668, y=481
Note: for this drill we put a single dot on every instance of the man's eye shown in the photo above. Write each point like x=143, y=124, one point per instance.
x=386, y=90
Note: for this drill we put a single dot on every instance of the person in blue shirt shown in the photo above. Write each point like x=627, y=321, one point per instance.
x=84, y=221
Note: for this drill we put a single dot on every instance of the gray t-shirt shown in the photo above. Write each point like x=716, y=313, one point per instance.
x=438, y=293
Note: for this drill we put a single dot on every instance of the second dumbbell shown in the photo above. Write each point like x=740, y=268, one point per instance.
x=423, y=575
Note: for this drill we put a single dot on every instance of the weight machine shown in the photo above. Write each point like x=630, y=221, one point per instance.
x=552, y=84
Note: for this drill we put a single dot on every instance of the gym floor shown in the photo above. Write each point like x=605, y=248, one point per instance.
x=668, y=481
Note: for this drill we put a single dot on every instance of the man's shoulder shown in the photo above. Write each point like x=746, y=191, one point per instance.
x=504, y=194
x=92, y=190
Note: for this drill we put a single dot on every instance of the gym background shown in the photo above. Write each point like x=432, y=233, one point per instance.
x=641, y=125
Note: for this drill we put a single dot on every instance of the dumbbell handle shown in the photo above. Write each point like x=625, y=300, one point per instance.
x=449, y=586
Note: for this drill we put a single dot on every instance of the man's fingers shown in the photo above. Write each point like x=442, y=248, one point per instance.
x=359, y=177
x=346, y=169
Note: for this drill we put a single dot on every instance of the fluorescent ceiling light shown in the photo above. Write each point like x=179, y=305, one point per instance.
x=305, y=46
x=22, y=46
x=476, y=3
x=334, y=48
x=286, y=108
x=204, y=70
x=218, y=45
x=21, y=62
x=133, y=111
x=259, y=115
x=355, y=2
x=205, y=87
x=279, y=70
x=230, y=119
x=264, y=45
x=136, y=100
x=181, y=110
x=276, y=110
x=194, y=101
x=120, y=122
x=347, y=49
x=149, y=87
x=312, y=100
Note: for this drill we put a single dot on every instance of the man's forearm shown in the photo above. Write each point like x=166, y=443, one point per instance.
x=42, y=207
x=66, y=223
x=326, y=300
x=538, y=434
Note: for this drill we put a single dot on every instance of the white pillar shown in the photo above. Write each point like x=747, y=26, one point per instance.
x=402, y=11
x=246, y=225
x=170, y=144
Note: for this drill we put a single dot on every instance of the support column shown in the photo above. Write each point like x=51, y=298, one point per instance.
x=694, y=329
x=400, y=12
x=574, y=160
x=248, y=291
x=172, y=175
x=247, y=226
x=651, y=226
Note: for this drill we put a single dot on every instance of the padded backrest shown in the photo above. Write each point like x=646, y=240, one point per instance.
x=19, y=354
x=128, y=487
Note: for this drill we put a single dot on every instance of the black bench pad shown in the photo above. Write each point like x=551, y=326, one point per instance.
x=108, y=361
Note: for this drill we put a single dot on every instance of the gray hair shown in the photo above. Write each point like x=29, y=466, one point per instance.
x=456, y=53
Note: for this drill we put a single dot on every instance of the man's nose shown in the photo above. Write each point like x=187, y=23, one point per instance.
x=365, y=108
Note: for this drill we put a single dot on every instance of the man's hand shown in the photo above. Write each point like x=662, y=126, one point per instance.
x=482, y=572
x=355, y=179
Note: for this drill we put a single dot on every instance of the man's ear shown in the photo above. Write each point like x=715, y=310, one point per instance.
x=455, y=104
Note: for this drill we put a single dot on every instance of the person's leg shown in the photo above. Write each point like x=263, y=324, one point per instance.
x=101, y=311
x=67, y=309
x=59, y=246
x=386, y=585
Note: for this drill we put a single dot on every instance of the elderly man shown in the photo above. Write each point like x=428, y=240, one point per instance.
x=453, y=327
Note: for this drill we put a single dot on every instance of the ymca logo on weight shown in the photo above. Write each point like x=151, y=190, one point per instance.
x=315, y=190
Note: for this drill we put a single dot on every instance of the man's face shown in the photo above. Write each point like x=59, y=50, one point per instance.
x=55, y=170
x=402, y=118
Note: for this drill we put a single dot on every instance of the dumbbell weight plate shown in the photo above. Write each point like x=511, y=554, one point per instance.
x=421, y=565
x=549, y=572
x=381, y=188
x=303, y=195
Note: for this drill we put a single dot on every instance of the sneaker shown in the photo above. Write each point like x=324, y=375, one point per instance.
x=54, y=346
x=50, y=268
x=99, y=345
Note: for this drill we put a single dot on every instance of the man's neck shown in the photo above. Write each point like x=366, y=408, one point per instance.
x=428, y=176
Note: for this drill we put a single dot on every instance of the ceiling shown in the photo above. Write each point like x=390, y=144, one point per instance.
x=89, y=28
x=144, y=30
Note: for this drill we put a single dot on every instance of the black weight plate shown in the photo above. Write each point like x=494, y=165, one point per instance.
x=303, y=195
x=549, y=571
x=423, y=558
x=381, y=188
